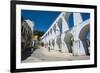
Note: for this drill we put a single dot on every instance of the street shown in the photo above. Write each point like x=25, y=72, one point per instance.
x=41, y=55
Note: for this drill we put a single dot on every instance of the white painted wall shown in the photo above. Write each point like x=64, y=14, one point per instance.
x=64, y=38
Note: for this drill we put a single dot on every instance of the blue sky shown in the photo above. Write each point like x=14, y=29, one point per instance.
x=44, y=19
x=84, y=17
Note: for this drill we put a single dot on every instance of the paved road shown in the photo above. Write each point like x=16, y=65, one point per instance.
x=43, y=55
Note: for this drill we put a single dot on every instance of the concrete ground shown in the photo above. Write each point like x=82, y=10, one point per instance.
x=43, y=54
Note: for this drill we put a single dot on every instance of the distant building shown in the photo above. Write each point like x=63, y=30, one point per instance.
x=35, y=37
x=35, y=40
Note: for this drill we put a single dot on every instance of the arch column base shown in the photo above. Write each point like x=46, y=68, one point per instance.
x=78, y=48
x=64, y=48
x=56, y=48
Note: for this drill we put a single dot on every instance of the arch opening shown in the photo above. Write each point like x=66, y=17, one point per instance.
x=60, y=25
x=53, y=43
x=83, y=37
x=58, y=41
x=68, y=39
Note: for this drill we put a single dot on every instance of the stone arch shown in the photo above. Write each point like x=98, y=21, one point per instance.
x=83, y=37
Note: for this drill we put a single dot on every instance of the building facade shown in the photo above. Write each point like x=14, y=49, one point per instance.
x=26, y=38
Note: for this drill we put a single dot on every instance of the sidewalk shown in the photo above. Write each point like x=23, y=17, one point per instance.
x=54, y=53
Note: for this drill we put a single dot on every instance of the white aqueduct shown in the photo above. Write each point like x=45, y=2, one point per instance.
x=59, y=37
